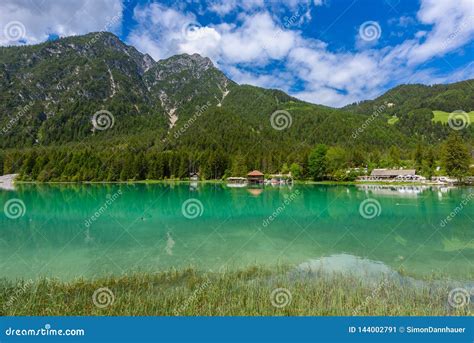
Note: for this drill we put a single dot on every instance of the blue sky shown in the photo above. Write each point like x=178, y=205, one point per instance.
x=331, y=52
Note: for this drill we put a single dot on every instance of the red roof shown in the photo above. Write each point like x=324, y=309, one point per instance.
x=255, y=173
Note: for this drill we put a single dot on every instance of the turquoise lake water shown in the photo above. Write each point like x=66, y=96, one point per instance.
x=69, y=231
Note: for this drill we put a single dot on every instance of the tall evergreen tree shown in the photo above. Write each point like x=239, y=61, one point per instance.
x=317, y=162
x=430, y=163
x=456, y=157
x=418, y=157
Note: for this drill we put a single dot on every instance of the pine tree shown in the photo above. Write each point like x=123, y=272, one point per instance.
x=418, y=157
x=317, y=162
x=430, y=163
x=456, y=156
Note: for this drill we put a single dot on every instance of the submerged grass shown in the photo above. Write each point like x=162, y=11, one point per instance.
x=251, y=292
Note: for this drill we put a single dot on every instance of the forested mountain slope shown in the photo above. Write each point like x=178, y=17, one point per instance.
x=93, y=108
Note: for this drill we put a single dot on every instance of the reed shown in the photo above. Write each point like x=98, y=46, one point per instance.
x=250, y=292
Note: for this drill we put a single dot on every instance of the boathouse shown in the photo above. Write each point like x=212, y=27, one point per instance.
x=255, y=177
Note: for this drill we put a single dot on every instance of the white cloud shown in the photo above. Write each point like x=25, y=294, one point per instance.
x=31, y=21
x=255, y=39
x=262, y=34
x=164, y=31
x=224, y=7
x=452, y=27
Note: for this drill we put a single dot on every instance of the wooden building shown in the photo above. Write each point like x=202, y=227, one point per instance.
x=388, y=174
x=255, y=177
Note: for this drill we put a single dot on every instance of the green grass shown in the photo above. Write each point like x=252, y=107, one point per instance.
x=440, y=116
x=246, y=292
x=392, y=120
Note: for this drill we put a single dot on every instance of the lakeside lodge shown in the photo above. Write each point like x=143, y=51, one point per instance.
x=392, y=175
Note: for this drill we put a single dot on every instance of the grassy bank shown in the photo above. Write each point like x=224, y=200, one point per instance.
x=247, y=292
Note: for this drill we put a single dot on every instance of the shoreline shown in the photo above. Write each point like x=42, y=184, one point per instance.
x=246, y=292
x=296, y=182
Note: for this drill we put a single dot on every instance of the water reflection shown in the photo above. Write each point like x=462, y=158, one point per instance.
x=6, y=182
x=399, y=191
x=145, y=228
x=367, y=271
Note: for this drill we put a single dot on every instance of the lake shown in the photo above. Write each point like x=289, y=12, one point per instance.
x=69, y=231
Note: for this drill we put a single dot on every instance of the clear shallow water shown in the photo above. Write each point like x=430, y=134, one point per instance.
x=143, y=228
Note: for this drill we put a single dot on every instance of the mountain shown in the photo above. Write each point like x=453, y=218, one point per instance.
x=405, y=98
x=56, y=87
x=93, y=108
x=50, y=92
x=411, y=108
